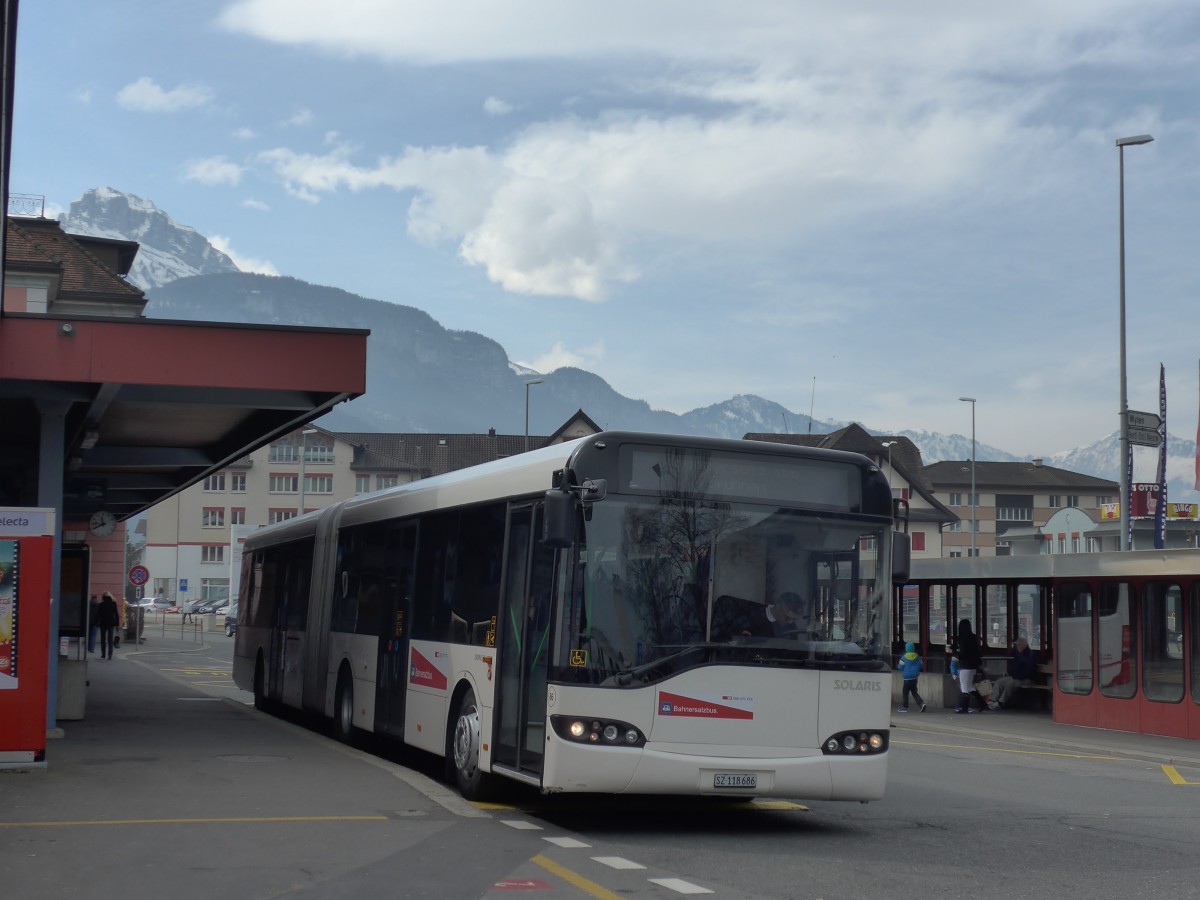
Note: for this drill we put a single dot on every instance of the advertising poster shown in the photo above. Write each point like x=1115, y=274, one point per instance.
x=8, y=615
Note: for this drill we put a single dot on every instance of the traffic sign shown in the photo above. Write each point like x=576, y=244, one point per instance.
x=1143, y=437
x=1143, y=420
x=139, y=575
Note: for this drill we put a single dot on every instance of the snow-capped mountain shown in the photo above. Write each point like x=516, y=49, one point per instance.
x=1101, y=459
x=169, y=250
x=460, y=381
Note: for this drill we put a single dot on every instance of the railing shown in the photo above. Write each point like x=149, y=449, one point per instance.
x=27, y=205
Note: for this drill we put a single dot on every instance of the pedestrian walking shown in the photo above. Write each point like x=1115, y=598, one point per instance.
x=910, y=665
x=108, y=618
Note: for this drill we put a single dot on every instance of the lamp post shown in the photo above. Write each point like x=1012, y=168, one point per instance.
x=889, y=444
x=303, y=452
x=974, y=521
x=528, y=384
x=1123, y=542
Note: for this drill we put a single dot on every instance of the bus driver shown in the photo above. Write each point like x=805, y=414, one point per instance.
x=783, y=618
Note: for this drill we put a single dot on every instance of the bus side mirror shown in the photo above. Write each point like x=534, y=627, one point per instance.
x=558, y=518
x=901, y=556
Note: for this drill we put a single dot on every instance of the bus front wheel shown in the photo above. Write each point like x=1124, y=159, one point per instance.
x=464, y=745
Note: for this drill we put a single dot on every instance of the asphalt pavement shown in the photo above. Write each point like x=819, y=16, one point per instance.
x=174, y=785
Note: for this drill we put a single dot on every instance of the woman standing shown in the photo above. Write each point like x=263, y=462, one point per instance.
x=966, y=648
x=108, y=617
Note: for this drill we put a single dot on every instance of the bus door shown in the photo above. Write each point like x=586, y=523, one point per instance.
x=392, y=672
x=525, y=613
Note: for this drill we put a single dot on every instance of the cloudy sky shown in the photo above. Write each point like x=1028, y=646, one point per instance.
x=868, y=209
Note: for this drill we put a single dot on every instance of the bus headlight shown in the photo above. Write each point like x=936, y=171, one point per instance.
x=597, y=731
x=859, y=743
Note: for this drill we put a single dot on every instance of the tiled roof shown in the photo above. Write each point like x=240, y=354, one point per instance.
x=1012, y=476
x=432, y=454
x=41, y=245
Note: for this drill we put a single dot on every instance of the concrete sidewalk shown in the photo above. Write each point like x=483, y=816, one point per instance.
x=1037, y=728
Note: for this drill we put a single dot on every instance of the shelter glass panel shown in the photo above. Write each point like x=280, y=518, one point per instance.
x=1029, y=614
x=996, y=612
x=939, y=613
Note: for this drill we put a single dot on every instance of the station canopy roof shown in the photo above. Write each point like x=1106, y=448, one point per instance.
x=147, y=407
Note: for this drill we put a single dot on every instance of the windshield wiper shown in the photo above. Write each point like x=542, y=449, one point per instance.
x=627, y=676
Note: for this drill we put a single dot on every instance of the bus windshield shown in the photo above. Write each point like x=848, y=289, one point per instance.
x=663, y=584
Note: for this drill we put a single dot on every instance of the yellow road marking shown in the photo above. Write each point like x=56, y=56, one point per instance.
x=1007, y=750
x=576, y=879
x=251, y=819
x=1176, y=778
x=777, y=804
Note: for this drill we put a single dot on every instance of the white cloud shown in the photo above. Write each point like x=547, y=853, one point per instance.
x=212, y=171
x=244, y=134
x=790, y=134
x=146, y=95
x=245, y=263
x=559, y=356
x=83, y=95
x=251, y=203
x=301, y=116
x=494, y=106
x=937, y=34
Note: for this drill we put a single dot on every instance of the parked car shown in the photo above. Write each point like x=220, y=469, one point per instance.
x=231, y=621
x=163, y=603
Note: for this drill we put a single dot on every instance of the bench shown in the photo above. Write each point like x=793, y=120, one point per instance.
x=1040, y=688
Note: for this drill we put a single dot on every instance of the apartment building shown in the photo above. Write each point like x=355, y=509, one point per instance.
x=1017, y=497
x=193, y=539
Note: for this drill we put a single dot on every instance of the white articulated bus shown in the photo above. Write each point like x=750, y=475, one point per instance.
x=603, y=615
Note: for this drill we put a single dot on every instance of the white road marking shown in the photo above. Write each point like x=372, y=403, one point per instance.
x=521, y=825
x=679, y=885
x=567, y=842
x=617, y=862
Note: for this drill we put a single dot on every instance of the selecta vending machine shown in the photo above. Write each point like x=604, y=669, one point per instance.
x=26, y=556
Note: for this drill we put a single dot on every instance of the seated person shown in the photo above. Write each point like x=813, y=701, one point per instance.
x=783, y=618
x=1020, y=672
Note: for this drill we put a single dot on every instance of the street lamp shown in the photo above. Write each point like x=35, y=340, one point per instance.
x=303, y=452
x=889, y=444
x=1124, y=541
x=974, y=521
x=528, y=384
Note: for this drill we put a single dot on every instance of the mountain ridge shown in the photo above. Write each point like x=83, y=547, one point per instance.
x=422, y=377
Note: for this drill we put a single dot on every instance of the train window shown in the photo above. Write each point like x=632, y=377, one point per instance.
x=996, y=616
x=1115, y=631
x=1074, y=658
x=1162, y=649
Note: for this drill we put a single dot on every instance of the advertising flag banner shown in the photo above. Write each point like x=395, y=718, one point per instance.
x=1198, y=447
x=9, y=612
x=1160, y=510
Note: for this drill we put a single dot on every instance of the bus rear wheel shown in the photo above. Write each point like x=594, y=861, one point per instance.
x=464, y=746
x=343, y=708
x=260, y=685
